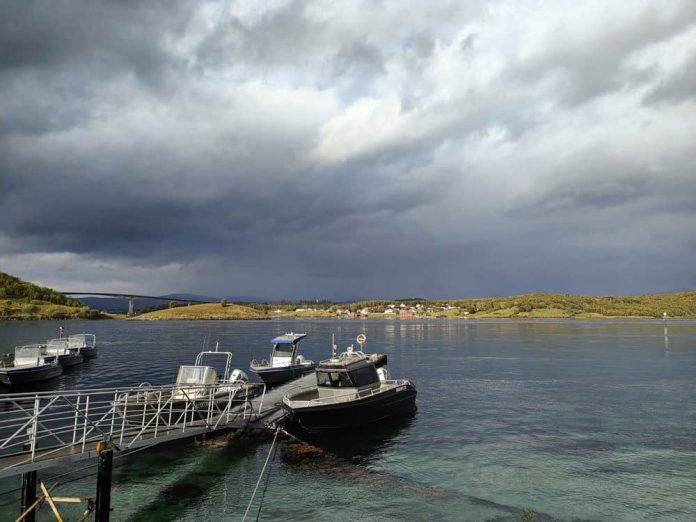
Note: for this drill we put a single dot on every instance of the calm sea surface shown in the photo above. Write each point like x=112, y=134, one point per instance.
x=575, y=420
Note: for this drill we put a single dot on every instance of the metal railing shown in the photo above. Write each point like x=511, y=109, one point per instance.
x=68, y=424
x=353, y=393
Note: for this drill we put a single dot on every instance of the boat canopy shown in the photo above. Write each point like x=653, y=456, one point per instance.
x=289, y=338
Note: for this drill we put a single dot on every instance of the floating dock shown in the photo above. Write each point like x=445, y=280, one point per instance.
x=41, y=430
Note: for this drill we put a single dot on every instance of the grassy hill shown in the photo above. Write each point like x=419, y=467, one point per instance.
x=679, y=304
x=22, y=300
x=676, y=305
x=202, y=311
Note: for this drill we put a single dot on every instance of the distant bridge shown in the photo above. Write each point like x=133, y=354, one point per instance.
x=131, y=297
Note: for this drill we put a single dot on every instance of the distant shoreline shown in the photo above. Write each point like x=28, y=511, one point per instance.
x=20, y=300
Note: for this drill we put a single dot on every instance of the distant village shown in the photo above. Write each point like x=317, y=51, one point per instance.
x=390, y=311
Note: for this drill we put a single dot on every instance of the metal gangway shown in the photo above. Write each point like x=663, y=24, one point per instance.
x=39, y=430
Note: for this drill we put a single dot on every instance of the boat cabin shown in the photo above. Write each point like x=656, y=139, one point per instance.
x=284, y=351
x=356, y=372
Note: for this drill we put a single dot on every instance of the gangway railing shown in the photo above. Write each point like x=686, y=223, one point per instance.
x=43, y=429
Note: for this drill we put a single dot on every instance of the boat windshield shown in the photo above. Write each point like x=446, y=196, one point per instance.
x=365, y=375
x=57, y=346
x=283, y=350
x=200, y=375
x=27, y=354
x=339, y=379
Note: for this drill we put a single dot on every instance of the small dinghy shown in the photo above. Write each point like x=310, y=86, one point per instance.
x=29, y=366
x=284, y=363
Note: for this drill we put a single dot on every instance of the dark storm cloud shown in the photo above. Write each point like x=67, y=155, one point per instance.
x=306, y=150
x=97, y=36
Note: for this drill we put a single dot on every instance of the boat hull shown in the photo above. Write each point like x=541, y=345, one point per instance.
x=20, y=376
x=70, y=359
x=275, y=376
x=88, y=352
x=344, y=416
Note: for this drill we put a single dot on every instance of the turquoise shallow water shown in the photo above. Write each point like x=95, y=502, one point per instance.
x=575, y=420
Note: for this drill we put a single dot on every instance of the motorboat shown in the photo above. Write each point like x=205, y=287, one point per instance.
x=196, y=384
x=352, y=389
x=85, y=343
x=29, y=366
x=284, y=363
x=60, y=349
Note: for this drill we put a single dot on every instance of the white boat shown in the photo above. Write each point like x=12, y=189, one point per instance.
x=86, y=343
x=29, y=366
x=60, y=349
x=195, y=383
x=284, y=363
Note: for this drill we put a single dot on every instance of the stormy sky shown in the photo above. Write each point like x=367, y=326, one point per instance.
x=289, y=149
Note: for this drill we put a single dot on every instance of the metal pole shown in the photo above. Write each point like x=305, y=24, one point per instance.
x=103, y=501
x=28, y=494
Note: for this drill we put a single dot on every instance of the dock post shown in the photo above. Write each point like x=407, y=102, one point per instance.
x=103, y=501
x=28, y=494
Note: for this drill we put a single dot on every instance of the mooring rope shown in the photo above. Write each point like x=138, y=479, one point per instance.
x=263, y=470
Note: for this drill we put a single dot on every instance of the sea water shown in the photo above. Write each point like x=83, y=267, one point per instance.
x=543, y=420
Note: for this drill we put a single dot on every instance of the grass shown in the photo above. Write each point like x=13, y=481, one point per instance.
x=33, y=309
x=202, y=312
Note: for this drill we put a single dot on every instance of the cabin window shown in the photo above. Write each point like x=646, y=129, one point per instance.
x=365, y=375
x=283, y=350
x=334, y=379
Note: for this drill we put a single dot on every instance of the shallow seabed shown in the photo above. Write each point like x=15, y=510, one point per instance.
x=575, y=420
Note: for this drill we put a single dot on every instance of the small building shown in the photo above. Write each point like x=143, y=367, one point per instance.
x=407, y=314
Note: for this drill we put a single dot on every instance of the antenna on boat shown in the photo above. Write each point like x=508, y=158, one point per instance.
x=333, y=346
x=217, y=343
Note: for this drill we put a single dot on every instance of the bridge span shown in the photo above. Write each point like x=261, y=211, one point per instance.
x=132, y=297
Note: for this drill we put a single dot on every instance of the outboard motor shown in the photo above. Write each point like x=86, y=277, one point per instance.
x=238, y=376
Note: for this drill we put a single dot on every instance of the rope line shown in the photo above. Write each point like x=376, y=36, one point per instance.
x=265, y=487
x=261, y=475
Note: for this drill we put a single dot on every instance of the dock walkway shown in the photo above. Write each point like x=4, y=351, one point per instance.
x=46, y=429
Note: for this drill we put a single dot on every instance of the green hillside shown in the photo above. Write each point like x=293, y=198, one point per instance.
x=678, y=304
x=675, y=305
x=22, y=300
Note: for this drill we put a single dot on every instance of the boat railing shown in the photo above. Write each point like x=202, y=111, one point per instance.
x=341, y=397
x=81, y=340
x=46, y=425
